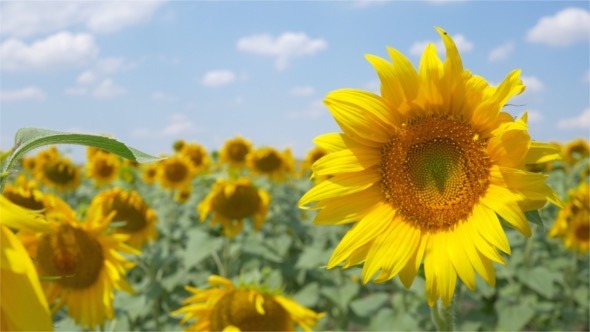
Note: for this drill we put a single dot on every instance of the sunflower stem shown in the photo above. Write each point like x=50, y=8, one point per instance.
x=444, y=316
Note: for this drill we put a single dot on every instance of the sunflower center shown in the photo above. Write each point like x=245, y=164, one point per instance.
x=176, y=172
x=238, y=308
x=132, y=215
x=243, y=202
x=238, y=152
x=60, y=173
x=433, y=171
x=583, y=233
x=104, y=168
x=71, y=254
x=268, y=163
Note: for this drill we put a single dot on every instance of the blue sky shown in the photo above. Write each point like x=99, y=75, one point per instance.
x=148, y=73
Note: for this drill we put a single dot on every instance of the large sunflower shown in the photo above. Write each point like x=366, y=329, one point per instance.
x=127, y=207
x=88, y=263
x=234, y=151
x=227, y=307
x=426, y=170
x=23, y=306
x=233, y=200
x=573, y=221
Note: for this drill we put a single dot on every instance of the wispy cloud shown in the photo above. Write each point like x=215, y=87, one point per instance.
x=217, y=78
x=179, y=126
x=314, y=110
x=463, y=45
x=163, y=96
x=105, y=89
x=27, y=93
x=582, y=121
x=501, y=52
x=28, y=18
x=302, y=91
x=283, y=48
x=566, y=27
x=534, y=115
x=533, y=84
x=62, y=49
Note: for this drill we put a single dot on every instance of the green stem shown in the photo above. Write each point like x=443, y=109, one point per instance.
x=444, y=316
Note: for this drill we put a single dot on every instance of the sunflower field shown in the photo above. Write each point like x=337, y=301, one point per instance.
x=250, y=237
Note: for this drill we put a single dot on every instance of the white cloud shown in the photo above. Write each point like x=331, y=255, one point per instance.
x=216, y=78
x=368, y=3
x=62, y=49
x=76, y=91
x=28, y=18
x=86, y=77
x=302, y=91
x=581, y=121
x=463, y=45
x=283, y=48
x=28, y=93
x=162, y=96
x=313, y=111
x=533, y=84
x=534, y=115
x=108, y=89
x=568, y=26
x=501, y=52
x=179, y=125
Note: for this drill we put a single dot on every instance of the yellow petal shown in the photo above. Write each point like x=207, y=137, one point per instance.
x=406, y=73
x=540, y=153
x=333, y=142
x=346, y=161
x=487, y=224
x=504, y=203
x=348, y=208
x=391, y=88
x=457, y=241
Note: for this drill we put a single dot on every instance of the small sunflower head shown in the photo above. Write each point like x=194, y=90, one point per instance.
x=183, y=194
x=576, y=150
x=59, y=173
x=149, y=172
x=178, y=145
x=572, y=224
x=271, y=163
x=30, y=164
x=233, y=200
x=103, y=167
x=234, y=151
x=176, y=171
x=197, y=154
x=128, y=207
x=245, y=307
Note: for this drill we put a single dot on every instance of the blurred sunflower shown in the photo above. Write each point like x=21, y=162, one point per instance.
x=572, y=224
x=59, y=173
x=576, y=150
x=176, y=171
x=29, y=164
x=270, y=162
x=26, y=194
x=177, y=145
x=234, y=152
x=313, y=155
x=197, y=154
x=126, y=206
x=424, y=170
x=149, y=172
x=88, y=263
x=183, y=194
x=23, y=306
x=103, y=167
x=230, y=201
x=226, y=307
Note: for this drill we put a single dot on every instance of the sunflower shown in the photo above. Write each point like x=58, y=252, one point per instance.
x=177, y=145
x=23, y=306
x=234, y=152
x=572, y=224
x=245, y=307
x=127, y=207
x=313, y=155
x=103, y=167
x=233, y=200
x=424, y=172
x=59, y=173
x=26, y=195
x=176, y=171
x=88, y=263
x=30, y=164
x=197, y=154
x=183, y=194
x=149, y=172
x=270, y=162
x=576, y=150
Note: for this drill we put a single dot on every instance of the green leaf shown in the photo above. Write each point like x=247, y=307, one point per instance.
x=367, y=305
x=199, y=246
x=308, y=295
x=534, y=217
x=313, y=258
x=538, y=279
x=513, y=317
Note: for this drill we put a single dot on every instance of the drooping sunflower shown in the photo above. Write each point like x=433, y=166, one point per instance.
x=234, y=152
x=103, y=167
x=197, y=154
x=87, y=262
x=425, y=170
x=270, y=162
x=27, y=195
x=572, y=224
x=576, y=150
x=231, y=201
x=126, y=206
x=176, y=171
x=23, y=306
x=59, y=173
x=229, y=307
